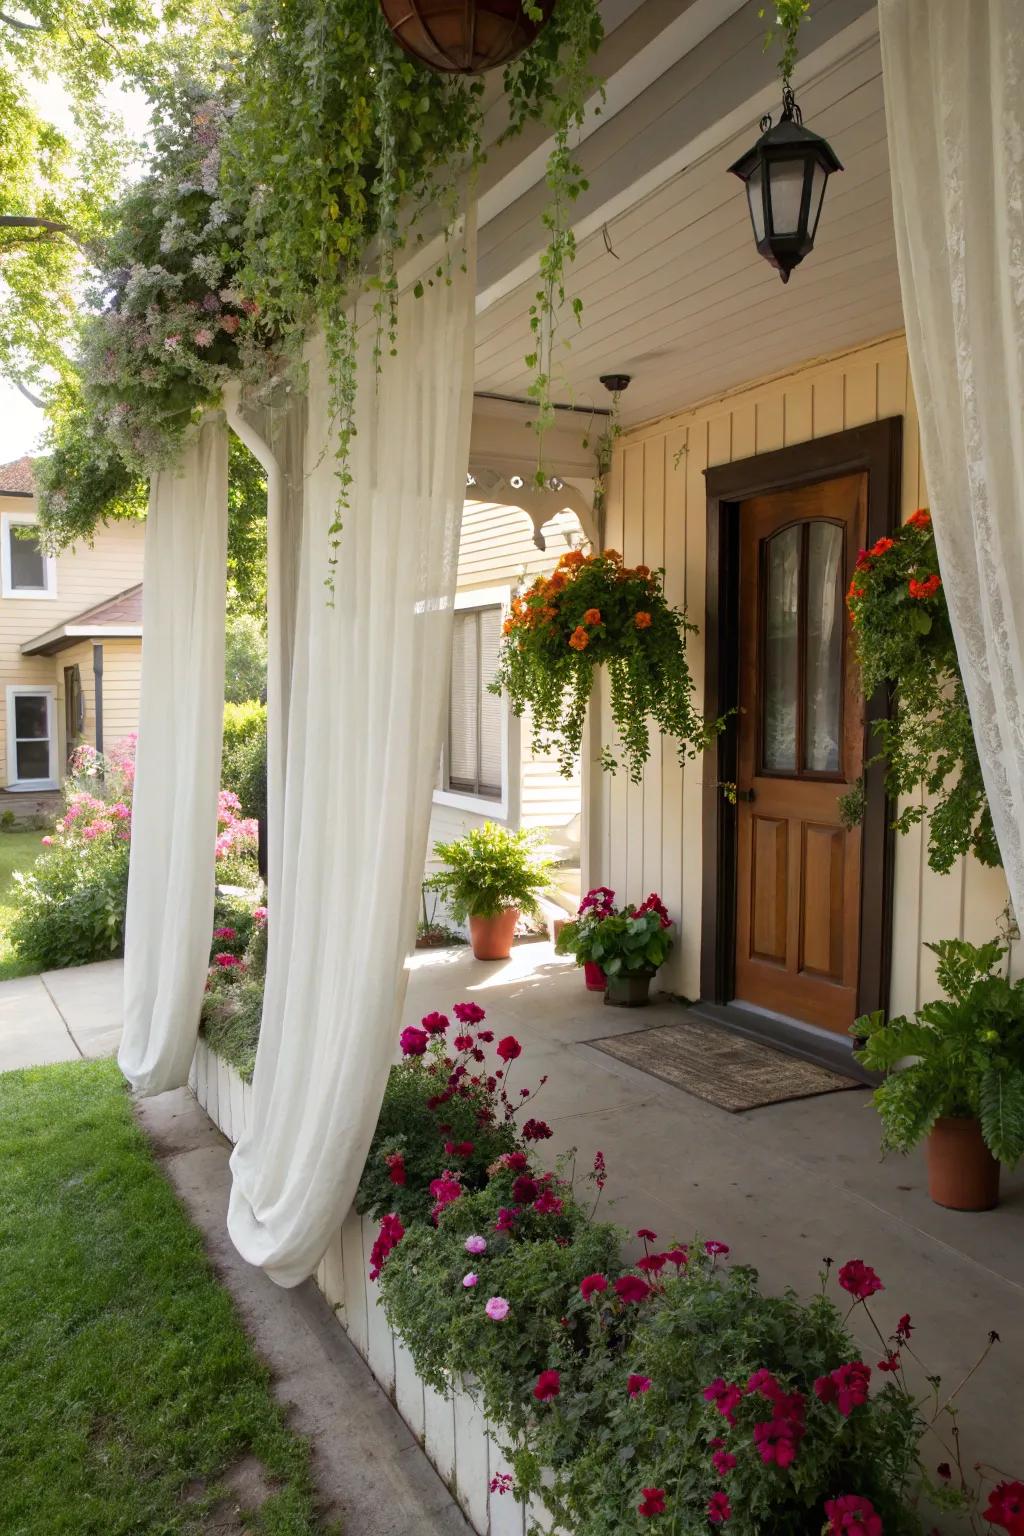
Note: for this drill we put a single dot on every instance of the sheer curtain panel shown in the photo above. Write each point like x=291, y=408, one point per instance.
x=177, y=765
x=953, y=74
x=369, y=676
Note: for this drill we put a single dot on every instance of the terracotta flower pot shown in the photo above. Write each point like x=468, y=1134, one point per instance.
x=492, y=937
x=962, y=1173
x=629, y=991
x=594, y=976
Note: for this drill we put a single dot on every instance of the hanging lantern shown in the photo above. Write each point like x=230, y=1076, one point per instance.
x=463, y=37
x=785, y=175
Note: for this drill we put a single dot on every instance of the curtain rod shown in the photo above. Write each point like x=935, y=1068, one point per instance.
x=579, y=410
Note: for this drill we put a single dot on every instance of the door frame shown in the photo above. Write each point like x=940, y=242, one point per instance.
x=876, y=450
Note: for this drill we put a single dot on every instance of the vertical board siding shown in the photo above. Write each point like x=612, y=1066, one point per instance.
x=649, y=836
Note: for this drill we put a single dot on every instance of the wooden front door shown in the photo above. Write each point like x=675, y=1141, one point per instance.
x=800, y=746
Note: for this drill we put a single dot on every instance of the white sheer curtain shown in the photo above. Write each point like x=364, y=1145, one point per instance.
x=365, y=707
x=177, y=766
x=954, y=102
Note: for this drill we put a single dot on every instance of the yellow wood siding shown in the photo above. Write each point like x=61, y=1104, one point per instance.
x=122, y=669
x=649, y=836
x=86, y=575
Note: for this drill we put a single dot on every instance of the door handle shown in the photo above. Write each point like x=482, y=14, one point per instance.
x=745, y=794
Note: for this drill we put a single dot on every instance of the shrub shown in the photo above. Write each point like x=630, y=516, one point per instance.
x=233, y=1001
x=245, y=658
x=70, y=909
x=967, y=1054
x=244, y=756
x=489, y=870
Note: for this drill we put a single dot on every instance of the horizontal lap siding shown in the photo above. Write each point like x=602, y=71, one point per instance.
x=648, y=836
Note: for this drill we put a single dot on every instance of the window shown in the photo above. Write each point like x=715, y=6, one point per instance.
x=27, y=571
x=475, y=747
x=31, y=738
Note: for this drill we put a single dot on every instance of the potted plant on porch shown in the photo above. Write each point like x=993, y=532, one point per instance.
x=630, y=946
x=577, y=937
x=493, y=875
x=962, y=1086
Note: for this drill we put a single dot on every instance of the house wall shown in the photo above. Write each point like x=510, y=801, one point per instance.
x=122, y=675
x=649, y=837
x=497, y=551
x=86, y=574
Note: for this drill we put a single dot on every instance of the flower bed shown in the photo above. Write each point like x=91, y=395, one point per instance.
x=666, y=1395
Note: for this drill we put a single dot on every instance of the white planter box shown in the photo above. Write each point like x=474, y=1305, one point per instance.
x=451, y=1429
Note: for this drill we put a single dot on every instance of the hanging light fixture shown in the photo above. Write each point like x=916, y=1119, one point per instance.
x=785, y=174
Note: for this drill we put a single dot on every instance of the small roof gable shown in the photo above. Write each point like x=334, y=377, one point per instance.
x=16, y=478
x=119, y=616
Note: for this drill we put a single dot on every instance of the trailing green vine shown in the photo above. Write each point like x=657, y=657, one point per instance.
x=790, y=15
x=904, y=643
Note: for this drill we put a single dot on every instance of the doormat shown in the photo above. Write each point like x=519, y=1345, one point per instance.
x=722, y=1068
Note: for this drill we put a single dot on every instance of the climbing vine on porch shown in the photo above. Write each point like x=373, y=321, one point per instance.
x=595, y=611
x=904, y=642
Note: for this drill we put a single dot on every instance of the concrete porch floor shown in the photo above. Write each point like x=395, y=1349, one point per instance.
x=784, y=1186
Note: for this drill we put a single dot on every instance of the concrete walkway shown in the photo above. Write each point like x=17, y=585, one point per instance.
x=60, y=1015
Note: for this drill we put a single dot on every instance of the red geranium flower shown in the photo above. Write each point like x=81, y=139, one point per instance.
x=549, y=1384
x=631, y=1288
x=777, y=1440
x=904, y=1328
x=723, y=1462
x=647, y=1235
x=524, y=1190
x=591, y=1285
x=920, y=519
x=719, y=1508
x=509, y=1048
x=653, y=1502
x=637, y=1385
x=714, y=1248
x=435, y=1023
x=880, y=547
x=652, y=1263
x=846, y=1387
x=678, y=1257
x=859, y=1279
x=463, y=1042
x=396, y=1167
x=469, y=1013
x=536, y=1130
x=413, y=1041
x=725, y=1397
x=926, y=588
x=1006, y=1508
x=891, y=1362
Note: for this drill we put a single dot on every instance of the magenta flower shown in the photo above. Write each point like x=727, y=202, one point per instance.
x=725, y=1397
x=630, y=1288
x=846, y=1387
x=468, y=1013
x=435, y=1023
x=226, y=961
x=470, y=1280
x=777, y=1441
x=497, y=1309
x=524, y=1190
x=536, y=1130
x=413, y=1041
x=723, y=1462
x=509, y=1048
x=636, y=1386
x=475, y=1244
x=851, y=1515
x=593, y=1285
x=547, y=1204
x=719, y=1509
x=549, y=1384
x=714, y=1248
x=859, y=1279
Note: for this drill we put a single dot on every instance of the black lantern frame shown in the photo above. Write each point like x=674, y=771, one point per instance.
x=786, y=174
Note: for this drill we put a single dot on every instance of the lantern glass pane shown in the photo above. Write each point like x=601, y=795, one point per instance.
x=787, y=190
x=755, y=197
x=818, y=180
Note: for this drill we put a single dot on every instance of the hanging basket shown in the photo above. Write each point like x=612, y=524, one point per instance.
x=463, y=37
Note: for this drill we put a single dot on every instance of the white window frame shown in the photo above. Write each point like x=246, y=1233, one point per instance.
x=17, y=690
x=486, y=805
x=9, y=520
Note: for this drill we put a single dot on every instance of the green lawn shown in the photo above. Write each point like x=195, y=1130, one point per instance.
x=18, y=850
x=128, y=1388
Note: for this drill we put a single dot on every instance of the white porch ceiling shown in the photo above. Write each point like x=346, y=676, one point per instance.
x=685, y=304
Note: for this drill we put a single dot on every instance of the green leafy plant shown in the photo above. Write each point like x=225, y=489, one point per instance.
x=633, y=942
x=594, y=611
x=490, y=870
x=790, y=16
x=904, y=643
x=578, y=937
x=244, y=754
x=961, y=1055
x=70, y=910
x=232, y=1005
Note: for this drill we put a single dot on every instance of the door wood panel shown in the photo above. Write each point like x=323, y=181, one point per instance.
x=799, y=748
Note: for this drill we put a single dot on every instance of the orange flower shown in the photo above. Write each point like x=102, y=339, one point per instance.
x=926, y=588
x=642, y=570
x=614, y=556
x=579, y=639
x=920, y=519
x=572, y=559
x=508, y=626
x=642, y=620
x=557, y=581
x=592, y=616
x=880, y=547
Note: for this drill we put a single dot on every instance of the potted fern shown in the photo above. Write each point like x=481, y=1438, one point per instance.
x=492, y=875
x=954, y=1073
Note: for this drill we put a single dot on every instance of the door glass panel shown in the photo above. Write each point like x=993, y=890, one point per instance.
x=33, y=759
x=781, y=641
x=30, y=715
x=823, y=699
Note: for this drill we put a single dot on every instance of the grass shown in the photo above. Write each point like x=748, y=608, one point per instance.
x=128, y=1389
x=18, y=850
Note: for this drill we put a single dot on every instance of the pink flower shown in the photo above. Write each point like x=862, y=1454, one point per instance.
x=204, y=337
x=445, y=1191
x=507, y=1218
x=390, y=1235
x=475, y=1244
x=434, y=1023
x=777, y=1441
x=501, y=1482
x=226, y=961
x=396, y=1167
x=230, y=323
x=652, y=1263
x=468, y=1013
x=547, y=1204
x=593, y=1285
x=653, y=1502
x=470, y=1280
x=714, y=1248
x=723, y=1462
x=719, y=1509
x=631, y=1288
x=678, y=1257
x=413, y=1041
x=725, y=1397
x=636, y=1386
x=46, y=841
x=549, y=1384
x=851, y=1515
x=259, y=916
x=509, y=1048
x=846, y=1387
x=497, y=1309
x=171, y=343
x=859, y=1279
x=225, y=933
